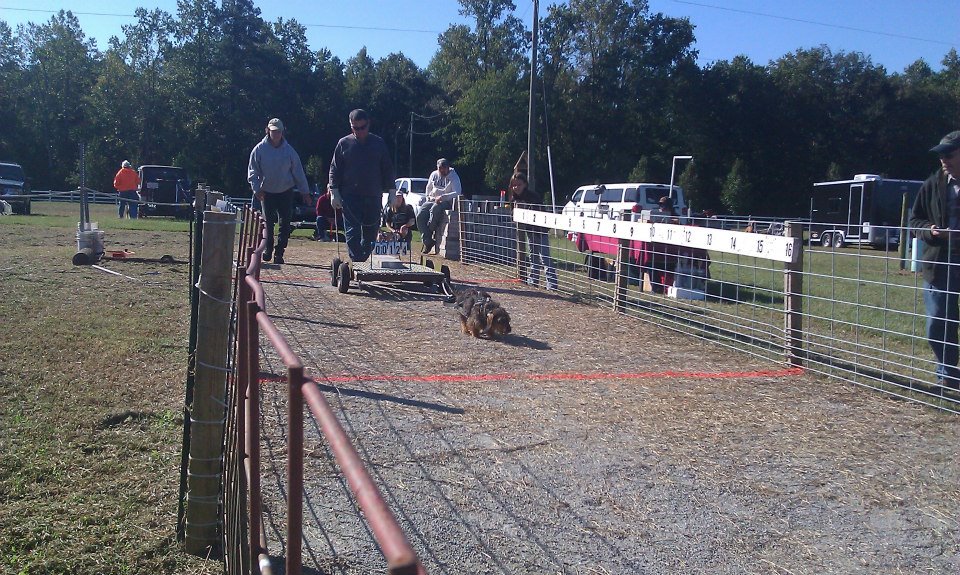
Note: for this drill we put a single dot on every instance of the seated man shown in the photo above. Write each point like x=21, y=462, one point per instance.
x=443, y=188
x=398, y=217
x=325, y=215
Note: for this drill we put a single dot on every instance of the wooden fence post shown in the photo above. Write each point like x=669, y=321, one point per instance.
x=208, y=409
x=793, y=298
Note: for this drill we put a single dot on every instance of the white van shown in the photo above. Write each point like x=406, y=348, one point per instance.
x=620, y=201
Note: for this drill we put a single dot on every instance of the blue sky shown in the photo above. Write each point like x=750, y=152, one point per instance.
x=894, y=33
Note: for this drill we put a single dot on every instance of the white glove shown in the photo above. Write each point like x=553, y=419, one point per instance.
x=336, y=200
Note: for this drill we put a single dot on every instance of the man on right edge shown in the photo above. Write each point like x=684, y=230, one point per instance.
x=935, y=218
x=443, y=187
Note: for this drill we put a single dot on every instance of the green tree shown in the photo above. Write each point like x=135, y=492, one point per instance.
x=360, y=80
x=490, y=119
x=689, y=180
x=11, y=104
x=641, y=171
x=737, y=194
x=61, y=67
x=618, y=66
x=132, y=100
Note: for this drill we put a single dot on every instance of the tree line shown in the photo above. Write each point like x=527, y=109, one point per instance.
x=618, y=94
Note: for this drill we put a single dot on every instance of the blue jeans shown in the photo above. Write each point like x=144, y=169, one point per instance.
x=430, y=220
x=361, y=222
x=941, y=301
x=539, y=246
x=130, y=200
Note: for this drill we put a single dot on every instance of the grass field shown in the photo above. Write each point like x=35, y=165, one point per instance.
x=91, y=398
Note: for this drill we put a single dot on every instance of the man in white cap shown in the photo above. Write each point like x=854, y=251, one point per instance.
x=273, y=172
x=127, y=182
x=935, y=218
x=443, y=187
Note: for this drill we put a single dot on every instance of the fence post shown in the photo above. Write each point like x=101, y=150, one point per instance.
x=623, y=275
x=904, y=235
x=294, y=470
x=251, y=440
x=793, y=297
x=207, y=411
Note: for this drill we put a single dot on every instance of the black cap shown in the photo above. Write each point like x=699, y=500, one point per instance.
x=948, y=143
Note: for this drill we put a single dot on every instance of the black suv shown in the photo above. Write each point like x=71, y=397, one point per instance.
x=161, y=186
x=14, y=187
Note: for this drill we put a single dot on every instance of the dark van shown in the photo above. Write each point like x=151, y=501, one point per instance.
x=14, y=188
x=164, y=190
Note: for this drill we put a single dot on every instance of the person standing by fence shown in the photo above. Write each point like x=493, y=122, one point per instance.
x=935, y=218
x=536, y=238
x=127, y=182
x=273, y=172
x=359, y=172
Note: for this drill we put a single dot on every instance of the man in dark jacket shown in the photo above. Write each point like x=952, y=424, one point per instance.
x=935, y=218
x=359, y=172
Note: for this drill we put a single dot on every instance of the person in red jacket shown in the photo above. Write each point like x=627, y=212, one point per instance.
x=325, y=215
x=127, y=182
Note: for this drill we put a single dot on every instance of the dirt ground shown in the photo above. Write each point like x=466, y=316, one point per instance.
x=586, y=442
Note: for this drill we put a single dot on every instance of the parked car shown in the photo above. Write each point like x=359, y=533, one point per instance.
x=305, y=208
x=415, y=190
x=14, y=187
x=616, y=200
x=162, y=186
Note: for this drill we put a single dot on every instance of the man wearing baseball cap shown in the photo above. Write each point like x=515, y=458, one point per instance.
x=935, y=218
x=443, y=188
x=273, y=172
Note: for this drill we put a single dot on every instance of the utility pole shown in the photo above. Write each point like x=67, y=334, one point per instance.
x=411, y=145
x=531, y=138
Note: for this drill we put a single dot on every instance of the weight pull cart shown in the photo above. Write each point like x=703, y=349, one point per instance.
x=391, y=263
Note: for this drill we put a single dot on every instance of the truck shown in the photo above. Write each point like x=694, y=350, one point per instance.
x=15, y=187
x=166, y=191
x=866, y=210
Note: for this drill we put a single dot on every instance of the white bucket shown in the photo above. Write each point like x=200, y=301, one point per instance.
x=91, y=238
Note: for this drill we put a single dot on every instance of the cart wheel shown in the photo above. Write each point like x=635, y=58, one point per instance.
x=344, y=284
x=445, y=270
x=334, y=272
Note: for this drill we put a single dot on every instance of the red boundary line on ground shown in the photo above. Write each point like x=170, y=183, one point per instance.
x=569, y=376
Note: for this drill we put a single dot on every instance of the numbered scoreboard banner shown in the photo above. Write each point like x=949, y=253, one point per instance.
x=776, y=248
x=393, y=248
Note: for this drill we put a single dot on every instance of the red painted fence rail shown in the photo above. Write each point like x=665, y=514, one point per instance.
x=252, y=320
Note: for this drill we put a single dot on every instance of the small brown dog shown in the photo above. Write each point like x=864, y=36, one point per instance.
x=480, y=315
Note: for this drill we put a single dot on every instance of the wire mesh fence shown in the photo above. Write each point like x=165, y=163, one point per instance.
x=855, y=313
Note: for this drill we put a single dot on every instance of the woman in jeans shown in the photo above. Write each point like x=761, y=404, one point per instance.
x=537, y=240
